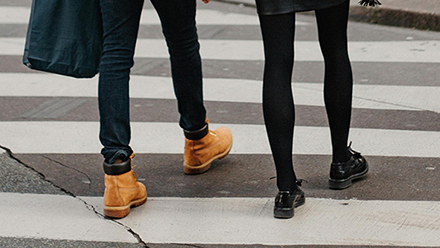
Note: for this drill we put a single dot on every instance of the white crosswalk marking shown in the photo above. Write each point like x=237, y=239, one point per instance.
x=229, y=221
x=393, y=51
x=323, y=220
x=81, y=137
x=59, y=217
x=222, y=90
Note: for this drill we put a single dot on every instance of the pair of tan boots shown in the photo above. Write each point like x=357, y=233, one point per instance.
x=124, y=191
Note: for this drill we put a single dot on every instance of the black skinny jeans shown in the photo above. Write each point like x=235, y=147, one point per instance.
x=120, y=25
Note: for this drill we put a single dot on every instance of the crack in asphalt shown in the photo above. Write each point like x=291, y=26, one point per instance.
x=68, y=167
x=88, y=205
x=192, y=245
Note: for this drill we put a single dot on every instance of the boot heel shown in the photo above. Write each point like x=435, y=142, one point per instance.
x=281, y=213
x=121, y=212
x=194, y=170
x=116, y=214
x=122, y=191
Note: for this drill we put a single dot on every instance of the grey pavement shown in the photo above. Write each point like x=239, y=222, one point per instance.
x=16, y=177
x=246, y=176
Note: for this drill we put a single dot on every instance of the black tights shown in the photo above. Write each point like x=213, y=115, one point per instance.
x=279, y=111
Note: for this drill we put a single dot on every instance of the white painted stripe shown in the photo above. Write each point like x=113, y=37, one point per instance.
x=212, y=17
x=20, y=15
x=82, y=137
x=14, y=15
x=55, y=217
x=389, y=51
x=319, y=221
x=227, y=221
x=225, y=90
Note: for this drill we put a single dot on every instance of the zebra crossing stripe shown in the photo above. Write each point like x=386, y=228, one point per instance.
x=167, y=138
x=396, y=97
x=230, y=221
x=252, y=50
x=226, y=221
x=55, y=217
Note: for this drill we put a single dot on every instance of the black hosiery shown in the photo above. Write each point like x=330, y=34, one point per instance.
x=338, y=80
x=278, y=107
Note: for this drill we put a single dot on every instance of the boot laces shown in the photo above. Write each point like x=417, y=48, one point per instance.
x=134, y=173
x=132, y=156
x=300, y=181
x=134, y=166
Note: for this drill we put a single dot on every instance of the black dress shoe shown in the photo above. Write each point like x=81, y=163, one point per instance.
x=343, y=174
x=286, y=201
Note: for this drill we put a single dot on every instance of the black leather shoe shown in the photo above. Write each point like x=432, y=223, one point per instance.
x=342, y=174
x=286, y=201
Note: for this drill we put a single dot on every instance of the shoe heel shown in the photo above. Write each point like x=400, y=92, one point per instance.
x=300, y=202
x=339, y=185
x=283, y=213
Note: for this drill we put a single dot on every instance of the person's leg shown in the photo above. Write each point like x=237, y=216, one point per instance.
x=278, y=107
x=279, y=111
x=179, y=28
x=120, y=29
x=338, y=80
x=347, y=165
x=202, y=146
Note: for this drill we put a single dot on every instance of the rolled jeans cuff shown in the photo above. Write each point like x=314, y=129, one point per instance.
x=197, y=134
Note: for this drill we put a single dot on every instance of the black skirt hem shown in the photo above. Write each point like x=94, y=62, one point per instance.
x=278, y=7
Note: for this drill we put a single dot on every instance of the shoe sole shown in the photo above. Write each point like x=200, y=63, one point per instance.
x=345, y=183
x=121, y=212
x=194, y=170
x=287, y=213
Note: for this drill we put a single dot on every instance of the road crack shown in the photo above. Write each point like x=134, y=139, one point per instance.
x=89, y=206
x=68, y=167
x=191, y=245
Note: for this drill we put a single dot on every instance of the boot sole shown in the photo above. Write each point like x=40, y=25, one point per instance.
x=121, y=212
x=345, y=183
x=194, y=170
x=287, y=213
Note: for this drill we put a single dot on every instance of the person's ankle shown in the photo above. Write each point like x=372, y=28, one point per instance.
x=117, y=161
x=119, y=166
x=197, y=134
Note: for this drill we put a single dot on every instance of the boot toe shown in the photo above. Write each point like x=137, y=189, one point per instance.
x=224, y=133
x=142, y=191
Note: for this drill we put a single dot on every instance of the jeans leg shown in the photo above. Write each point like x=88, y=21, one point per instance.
x=120, y=28
x=179, y=28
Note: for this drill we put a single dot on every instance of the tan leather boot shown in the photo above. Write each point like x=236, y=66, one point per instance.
x=199, y=154
x=122, y=191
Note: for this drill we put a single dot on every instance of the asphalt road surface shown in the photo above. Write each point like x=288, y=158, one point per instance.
x=51, y=177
